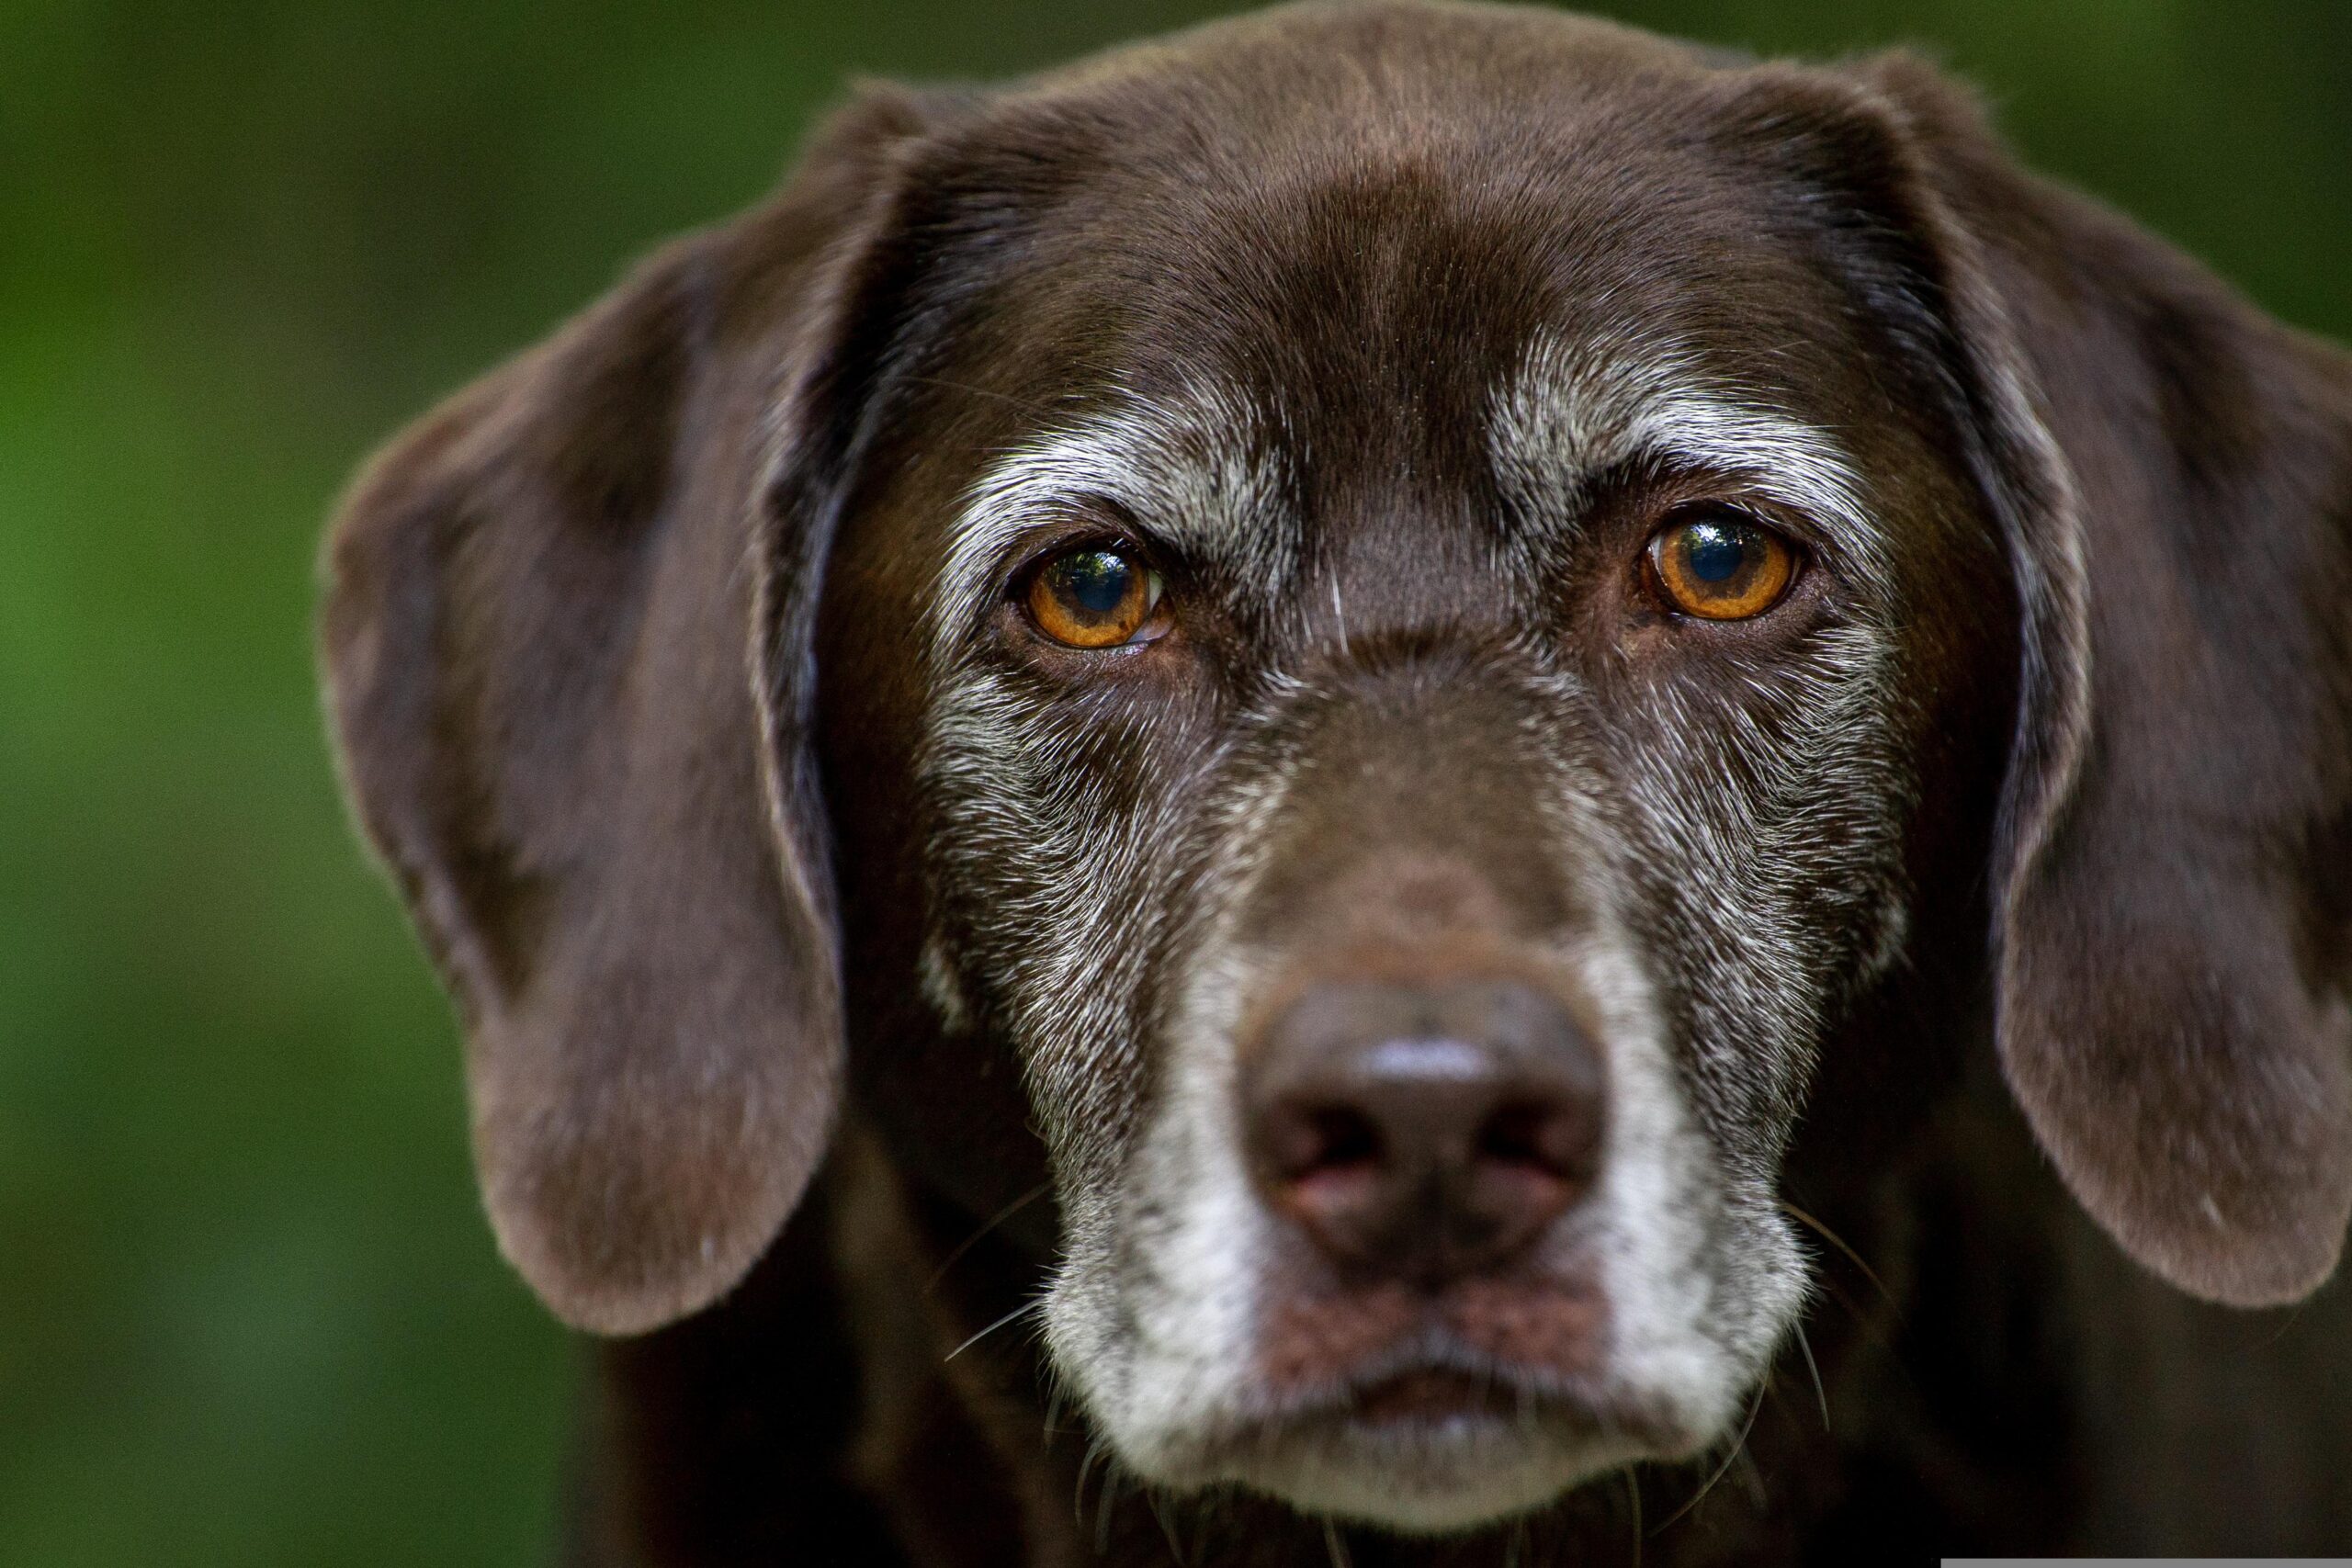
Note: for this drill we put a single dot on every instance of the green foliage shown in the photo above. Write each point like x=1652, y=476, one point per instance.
x=248, y=1313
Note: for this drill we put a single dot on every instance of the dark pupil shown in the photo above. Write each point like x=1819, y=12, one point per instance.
x=1715, y=551
x=1097, y=581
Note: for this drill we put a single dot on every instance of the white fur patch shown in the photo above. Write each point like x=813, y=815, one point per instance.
x=1568, y=411
x=1192, y=471
x=1154, y=1316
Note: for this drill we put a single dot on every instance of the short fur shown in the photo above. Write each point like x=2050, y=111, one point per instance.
x=858, y=986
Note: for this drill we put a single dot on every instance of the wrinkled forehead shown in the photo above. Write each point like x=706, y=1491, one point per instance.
x=1249, y=358
x=1390, y=308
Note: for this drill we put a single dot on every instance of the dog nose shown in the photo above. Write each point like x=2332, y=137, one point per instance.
x=1423, y=1133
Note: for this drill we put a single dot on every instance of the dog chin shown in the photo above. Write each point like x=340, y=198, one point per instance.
x=1430, y=1475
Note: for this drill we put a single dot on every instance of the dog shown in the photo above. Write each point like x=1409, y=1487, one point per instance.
x=1401, y=784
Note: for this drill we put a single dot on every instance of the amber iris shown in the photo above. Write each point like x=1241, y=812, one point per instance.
x=1094, y=597
x=1720, y=566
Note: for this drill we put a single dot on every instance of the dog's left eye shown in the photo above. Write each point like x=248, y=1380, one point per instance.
x=1720, y=564
x=1096, y=597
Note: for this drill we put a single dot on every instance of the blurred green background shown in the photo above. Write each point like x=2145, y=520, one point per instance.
x=249, y=1312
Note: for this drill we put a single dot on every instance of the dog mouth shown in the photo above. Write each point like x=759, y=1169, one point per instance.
x=1433, y=1396
x=1435, y=1439
x=1436, y=1413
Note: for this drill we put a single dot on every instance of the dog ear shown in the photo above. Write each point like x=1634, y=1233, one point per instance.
x=549, y=638
x=2173, y=886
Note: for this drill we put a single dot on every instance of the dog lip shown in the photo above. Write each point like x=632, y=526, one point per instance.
x=1438, y=1386
x=1431, y=1394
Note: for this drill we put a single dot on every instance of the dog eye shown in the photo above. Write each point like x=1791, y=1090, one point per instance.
x=1096, y=597
x=1720, y=566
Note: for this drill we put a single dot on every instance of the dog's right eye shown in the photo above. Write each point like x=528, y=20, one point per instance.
x=1096, y=597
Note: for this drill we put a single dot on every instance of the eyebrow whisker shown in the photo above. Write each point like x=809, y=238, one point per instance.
x=1027, y=406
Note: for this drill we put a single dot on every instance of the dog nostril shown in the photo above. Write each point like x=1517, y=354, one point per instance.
x=1345, y=1137
x=1539, y=1138
x=1312, y=1140
x=1423, y=1134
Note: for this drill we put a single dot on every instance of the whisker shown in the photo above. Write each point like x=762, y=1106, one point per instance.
x=1334, y=1546
x=1103, y=1503
x=1095, y=1452
x=1738, y=1445
x=1751, y=1479
x=1028, y=405
x=2292, y=1314
x=1834, y=1239
x=1819, y=1394
x=1023, y=1310
x=992, y=1222
x=1634, y=1493
x=1168, y=1528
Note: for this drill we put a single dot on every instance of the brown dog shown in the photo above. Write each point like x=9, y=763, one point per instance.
x=1303, y=733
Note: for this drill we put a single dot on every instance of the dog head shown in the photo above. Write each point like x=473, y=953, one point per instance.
x=1410, y=618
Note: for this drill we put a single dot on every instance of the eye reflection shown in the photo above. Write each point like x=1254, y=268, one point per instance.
x=1093, y=597
x=1720, y=564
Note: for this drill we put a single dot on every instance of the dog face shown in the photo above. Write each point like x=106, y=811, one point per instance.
x=1406, y=614
x=1415, y=924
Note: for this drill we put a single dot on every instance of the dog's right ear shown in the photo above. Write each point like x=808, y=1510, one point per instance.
x=585, y=766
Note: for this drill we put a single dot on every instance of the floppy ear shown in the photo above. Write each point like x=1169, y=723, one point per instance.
x=587, y=773
x=2173, y=886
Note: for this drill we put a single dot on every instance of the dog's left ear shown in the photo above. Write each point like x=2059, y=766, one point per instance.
x=2173, y=885
x=566, y=635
